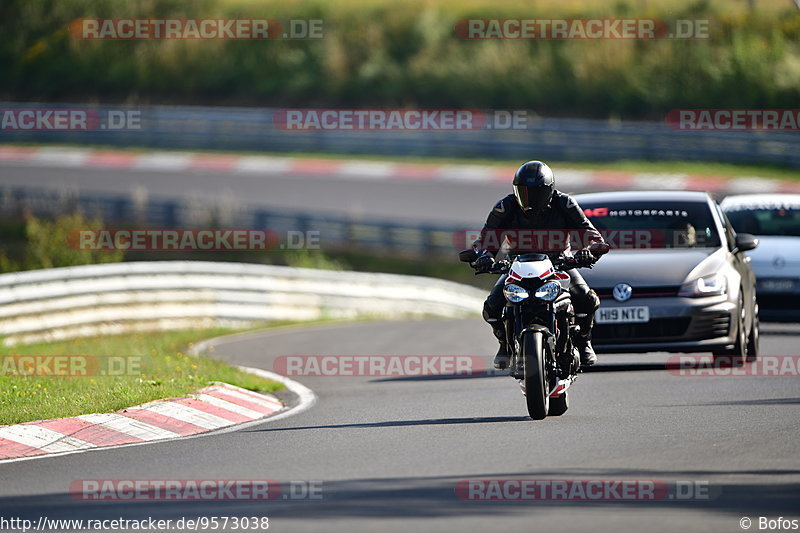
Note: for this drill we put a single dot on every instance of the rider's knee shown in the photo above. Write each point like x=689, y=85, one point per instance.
x=593, y=300
x=490, y=313
x=585, y=300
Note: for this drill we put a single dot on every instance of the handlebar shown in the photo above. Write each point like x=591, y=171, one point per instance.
x=561, y=263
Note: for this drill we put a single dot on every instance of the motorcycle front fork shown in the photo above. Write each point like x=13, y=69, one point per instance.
x=565, y=364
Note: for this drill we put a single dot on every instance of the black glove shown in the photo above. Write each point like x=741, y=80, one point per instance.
x=585, y=257
x=484, y=262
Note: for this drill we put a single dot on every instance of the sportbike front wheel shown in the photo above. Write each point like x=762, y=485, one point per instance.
x=537, y=386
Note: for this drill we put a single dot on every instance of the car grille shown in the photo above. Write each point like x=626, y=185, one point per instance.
x=711, y=326
x=642, y=292
x=656, y=329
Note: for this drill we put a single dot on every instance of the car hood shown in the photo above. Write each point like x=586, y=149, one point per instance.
x=776, y=254
x=653, y=268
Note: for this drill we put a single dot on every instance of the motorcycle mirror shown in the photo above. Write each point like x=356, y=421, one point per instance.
x=467, y=256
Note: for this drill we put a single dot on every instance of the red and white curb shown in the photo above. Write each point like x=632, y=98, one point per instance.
x=569, y=179
x=212, y=408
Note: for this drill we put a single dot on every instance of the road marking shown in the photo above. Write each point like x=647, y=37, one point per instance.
x=467, y=173
x=230, y=406
x=24, y=442
x=43, y=439
x=184, y=413
x=661, y=181
x=748, y=184
x=61, y=157
x=55, y=156
x=366, y=169
x=129, y=426
x=264, y=165
x=163, y=161
x=244, y=394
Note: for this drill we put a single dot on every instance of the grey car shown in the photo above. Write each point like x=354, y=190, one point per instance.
x=677, y=278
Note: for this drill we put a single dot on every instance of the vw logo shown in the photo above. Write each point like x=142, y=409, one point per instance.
x=622, y=292
x=779, y=262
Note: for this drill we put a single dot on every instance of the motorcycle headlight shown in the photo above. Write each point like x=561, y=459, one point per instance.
x=549, y=291
x=514, y=293
x=712, y=285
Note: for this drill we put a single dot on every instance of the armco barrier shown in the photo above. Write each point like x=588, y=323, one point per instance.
x=334, y=231
x=254, y=129
x=60, y=303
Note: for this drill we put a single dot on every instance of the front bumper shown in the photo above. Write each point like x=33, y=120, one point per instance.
x=779, y=293
x=677, y=324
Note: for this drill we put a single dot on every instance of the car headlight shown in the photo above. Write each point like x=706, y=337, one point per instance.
x=712, y=285
x=514, y=293
x=549, y=291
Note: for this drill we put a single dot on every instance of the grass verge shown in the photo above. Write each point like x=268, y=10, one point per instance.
x=125, y=370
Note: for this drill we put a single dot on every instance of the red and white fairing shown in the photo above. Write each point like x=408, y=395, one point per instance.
x=536, y=269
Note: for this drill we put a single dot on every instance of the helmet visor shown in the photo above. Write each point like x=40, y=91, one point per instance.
x=532, y=198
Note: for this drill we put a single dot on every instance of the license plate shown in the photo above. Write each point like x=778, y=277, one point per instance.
x=623, y=315
x=777, y=285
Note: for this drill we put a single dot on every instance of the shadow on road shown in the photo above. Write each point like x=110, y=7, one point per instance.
x=686, y=366
x=765, y=401
x=432, y=497
x=402, y=423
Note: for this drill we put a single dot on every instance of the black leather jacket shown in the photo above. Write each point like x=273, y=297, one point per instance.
x=563, y=220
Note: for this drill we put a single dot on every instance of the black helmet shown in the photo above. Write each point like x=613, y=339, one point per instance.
x=533, y=186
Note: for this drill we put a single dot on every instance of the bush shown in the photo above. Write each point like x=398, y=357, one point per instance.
x=47, y=245
x=387, y=54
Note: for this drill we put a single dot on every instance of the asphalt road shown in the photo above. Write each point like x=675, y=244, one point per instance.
x=389, y=452
x=356, y=197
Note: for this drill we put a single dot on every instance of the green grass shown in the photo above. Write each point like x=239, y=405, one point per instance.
x=165, y=370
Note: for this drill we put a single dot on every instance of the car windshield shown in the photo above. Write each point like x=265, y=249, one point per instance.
x=660, y=225
x=765, y=221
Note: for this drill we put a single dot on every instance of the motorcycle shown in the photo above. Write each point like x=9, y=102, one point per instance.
x=540, y=327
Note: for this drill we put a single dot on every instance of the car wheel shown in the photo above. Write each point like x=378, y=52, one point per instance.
x=753, y=338
x=738, y=354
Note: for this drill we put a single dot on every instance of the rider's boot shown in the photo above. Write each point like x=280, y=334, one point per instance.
x=583, y=340
x=503, y=356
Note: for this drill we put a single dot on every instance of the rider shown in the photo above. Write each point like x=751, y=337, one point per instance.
x=537, y=205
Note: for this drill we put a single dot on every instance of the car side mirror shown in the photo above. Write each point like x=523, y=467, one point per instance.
x=467, y=256
x=745, y=242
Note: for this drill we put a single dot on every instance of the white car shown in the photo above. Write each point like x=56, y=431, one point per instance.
x=775, y=220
